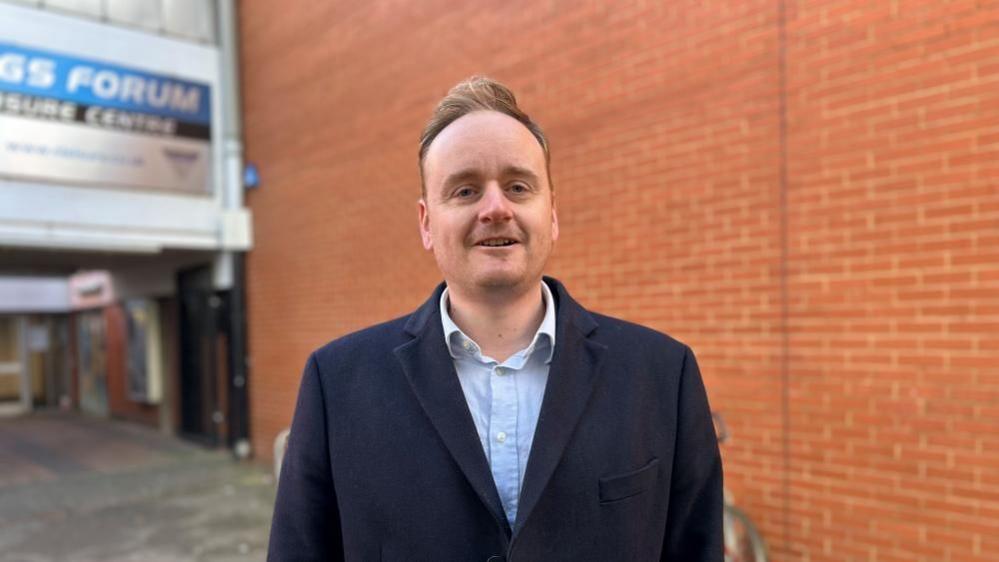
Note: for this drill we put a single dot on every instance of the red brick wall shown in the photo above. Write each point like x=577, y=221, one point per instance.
x=893, y=221
x=806, y=194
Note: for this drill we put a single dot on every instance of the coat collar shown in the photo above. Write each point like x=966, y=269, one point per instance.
x=572, y=312
x=572, y=375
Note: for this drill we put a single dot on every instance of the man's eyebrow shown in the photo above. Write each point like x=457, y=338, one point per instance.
x=461, y=176
x=472, y=174
x=521, y=172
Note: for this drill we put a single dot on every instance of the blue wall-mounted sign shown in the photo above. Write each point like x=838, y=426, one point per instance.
x=87, y=82
x=251, y=178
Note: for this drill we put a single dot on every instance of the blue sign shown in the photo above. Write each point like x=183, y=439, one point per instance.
x=87, y=82
x=251, y=178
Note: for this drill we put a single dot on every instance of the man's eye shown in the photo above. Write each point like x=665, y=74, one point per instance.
x=519, y=188
x=464, y=192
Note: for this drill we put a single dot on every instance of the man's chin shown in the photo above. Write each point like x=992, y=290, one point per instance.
x=501, y=281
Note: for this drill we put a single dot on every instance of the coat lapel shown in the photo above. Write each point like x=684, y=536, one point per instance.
x=571, y=377
x=430, y=371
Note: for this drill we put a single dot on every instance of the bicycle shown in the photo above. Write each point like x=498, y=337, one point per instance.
x=743, y=541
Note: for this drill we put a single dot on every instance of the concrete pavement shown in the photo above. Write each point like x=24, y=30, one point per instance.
x=77, y=489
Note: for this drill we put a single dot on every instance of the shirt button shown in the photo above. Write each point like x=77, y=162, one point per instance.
x=500, y=371
x=501, y=436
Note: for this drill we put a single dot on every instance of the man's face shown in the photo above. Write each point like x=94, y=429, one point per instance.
x=488, y=215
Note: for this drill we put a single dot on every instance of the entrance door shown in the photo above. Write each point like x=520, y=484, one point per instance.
x=200, y=415
x=15, y=380
x=92, y=361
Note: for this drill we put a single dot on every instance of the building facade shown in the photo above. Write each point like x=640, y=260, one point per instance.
x=121, y=182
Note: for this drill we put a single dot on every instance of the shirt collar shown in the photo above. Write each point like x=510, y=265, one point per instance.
x=547, y=327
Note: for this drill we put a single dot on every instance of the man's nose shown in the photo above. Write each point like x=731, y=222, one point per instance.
x=495, y=206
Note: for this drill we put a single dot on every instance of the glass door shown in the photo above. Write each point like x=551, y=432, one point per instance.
x=92, y=359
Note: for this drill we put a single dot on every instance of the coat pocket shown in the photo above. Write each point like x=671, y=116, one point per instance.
x=621, y=486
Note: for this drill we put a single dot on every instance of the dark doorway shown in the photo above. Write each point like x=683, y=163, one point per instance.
x=201, y=417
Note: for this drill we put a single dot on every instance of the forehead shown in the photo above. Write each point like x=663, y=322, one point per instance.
x=483, y=141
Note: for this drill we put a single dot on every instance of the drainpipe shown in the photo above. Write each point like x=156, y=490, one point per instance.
x=238, y=414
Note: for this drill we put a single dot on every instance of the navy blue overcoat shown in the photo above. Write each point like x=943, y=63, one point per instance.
x=384, y=462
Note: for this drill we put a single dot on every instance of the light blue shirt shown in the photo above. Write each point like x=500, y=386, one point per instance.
x=504, y=398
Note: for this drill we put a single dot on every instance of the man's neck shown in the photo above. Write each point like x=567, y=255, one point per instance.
x=502, y=324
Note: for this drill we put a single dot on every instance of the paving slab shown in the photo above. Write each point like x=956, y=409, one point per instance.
x=77, y=489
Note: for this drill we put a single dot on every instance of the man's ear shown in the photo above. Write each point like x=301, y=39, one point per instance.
x=554, y=223
x=428, y=241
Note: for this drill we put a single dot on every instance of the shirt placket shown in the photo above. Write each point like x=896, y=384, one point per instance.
x=503, y=437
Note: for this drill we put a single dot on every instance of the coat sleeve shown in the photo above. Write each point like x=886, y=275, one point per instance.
x=694, y=520
x=306, y=522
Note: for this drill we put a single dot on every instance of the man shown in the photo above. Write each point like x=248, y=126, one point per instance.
x=501, y=420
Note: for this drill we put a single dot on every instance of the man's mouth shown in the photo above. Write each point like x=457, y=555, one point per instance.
x=497, y=242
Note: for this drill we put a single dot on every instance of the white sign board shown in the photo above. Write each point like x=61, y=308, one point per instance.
x=78, y=120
